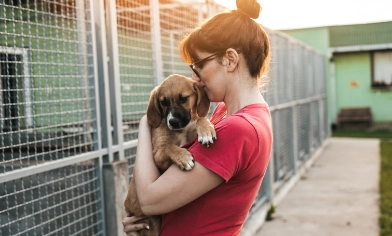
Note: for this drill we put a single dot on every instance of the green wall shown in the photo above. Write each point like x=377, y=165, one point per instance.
x=317, y=38
x=353, y=86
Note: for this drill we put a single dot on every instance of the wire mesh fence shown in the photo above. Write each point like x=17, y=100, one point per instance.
x=61, y=201
x=136, y=64
x=297, y=98
x=71, y=99
x=46, y=82
x=47, y=114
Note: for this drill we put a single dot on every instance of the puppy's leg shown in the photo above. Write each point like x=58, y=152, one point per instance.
x=132, y=205
x=131, y=202
x=205, y=131
x=170, y=153
x=155, y=227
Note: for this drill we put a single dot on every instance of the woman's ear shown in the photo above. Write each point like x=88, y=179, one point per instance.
x=231, y=59
x=203, y=103
x=154, y=114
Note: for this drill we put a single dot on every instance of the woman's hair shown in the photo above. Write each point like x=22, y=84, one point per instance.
x=233, y=29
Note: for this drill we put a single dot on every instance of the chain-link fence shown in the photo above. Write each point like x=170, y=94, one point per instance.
x=76, y=76
x=48, y=183
x=297, y=96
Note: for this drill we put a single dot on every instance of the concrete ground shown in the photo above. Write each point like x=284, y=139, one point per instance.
x=338, y=196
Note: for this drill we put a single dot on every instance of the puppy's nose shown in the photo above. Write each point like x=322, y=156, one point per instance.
x=174, y=122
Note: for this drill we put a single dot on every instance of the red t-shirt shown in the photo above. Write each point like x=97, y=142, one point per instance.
x=240, y=156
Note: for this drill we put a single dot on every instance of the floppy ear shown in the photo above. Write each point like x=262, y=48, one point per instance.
x=154, y=114
x=203, y=103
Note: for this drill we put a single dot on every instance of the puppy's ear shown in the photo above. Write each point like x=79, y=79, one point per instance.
x=154, y=114
x=203, y=103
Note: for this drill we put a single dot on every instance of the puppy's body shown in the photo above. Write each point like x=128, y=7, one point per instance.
x=177, y=113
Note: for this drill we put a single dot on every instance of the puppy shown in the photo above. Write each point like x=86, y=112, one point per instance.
x=177, y=113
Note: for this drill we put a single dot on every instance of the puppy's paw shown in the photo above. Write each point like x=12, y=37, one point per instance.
x=184, y=160
x=205, y=132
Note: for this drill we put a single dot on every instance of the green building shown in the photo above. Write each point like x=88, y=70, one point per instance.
x=360, y=66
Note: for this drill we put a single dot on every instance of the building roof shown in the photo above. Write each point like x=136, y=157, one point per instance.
x=363, y=34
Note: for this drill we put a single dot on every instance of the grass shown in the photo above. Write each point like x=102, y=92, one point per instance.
x=270, y=212
x=386, y=188
x=385, y=137
x=383, y=134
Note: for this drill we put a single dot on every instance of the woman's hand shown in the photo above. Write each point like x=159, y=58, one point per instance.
x=130, y=227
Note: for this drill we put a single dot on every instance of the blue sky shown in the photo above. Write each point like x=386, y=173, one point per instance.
x=291, y=14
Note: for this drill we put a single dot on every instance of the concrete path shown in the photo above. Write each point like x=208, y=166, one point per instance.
x=338, y=196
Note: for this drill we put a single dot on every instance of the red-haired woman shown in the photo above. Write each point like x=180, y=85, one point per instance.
x=229, y=56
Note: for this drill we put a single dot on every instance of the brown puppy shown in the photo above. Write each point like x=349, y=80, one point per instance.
x=177, y=112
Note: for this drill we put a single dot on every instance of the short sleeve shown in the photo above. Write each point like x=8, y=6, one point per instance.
x=224, y=156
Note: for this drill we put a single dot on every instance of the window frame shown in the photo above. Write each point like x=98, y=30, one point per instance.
x=374, y=85
x=27, y=85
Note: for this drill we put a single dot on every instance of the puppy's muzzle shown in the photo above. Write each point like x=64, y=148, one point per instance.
x=177, y=119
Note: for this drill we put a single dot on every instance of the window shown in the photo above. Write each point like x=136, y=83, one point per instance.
x=15, y=89
x=9, y=88
x=382, y=70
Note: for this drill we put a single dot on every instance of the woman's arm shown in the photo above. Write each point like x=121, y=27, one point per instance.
x=159, y=194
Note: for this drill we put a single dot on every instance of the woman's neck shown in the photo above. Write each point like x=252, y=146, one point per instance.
x=242, y=97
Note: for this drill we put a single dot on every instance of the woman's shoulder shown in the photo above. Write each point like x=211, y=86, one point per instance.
x=258, y=111
x=248, y=119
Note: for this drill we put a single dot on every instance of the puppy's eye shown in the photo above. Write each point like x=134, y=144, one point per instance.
x=183, y=99
x=164, y=102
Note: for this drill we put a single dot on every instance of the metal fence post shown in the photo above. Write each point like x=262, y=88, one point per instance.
x=327, y=118
x=290, y=71
x=114, y=81
x=156, y=41
x=275, y=113
x=333, y=92
x=100, y=73
x=308, y=93
x=320, y=76
x=115, y=168
x=84, y=83
x=269, y=177
x=103, y=79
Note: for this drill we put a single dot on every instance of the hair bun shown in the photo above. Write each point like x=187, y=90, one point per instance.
x=250, y=8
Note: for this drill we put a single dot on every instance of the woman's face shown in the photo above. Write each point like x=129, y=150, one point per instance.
x=211, y=77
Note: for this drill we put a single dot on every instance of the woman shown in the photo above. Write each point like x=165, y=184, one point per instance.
x=229, y=54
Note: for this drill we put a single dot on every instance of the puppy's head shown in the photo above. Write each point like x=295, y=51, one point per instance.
x=177, y=100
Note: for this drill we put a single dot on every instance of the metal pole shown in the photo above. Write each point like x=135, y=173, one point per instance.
x=104, y=137
x=26, y=55
x=114, y=75
x=333, y=92
x=82, y=39
x=102, y=87
x=156, y=41
x=294, y=155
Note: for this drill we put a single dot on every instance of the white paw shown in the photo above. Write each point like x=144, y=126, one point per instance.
x=206, y=140
x=205, y=132
x=186, y=162
x=190, y=164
